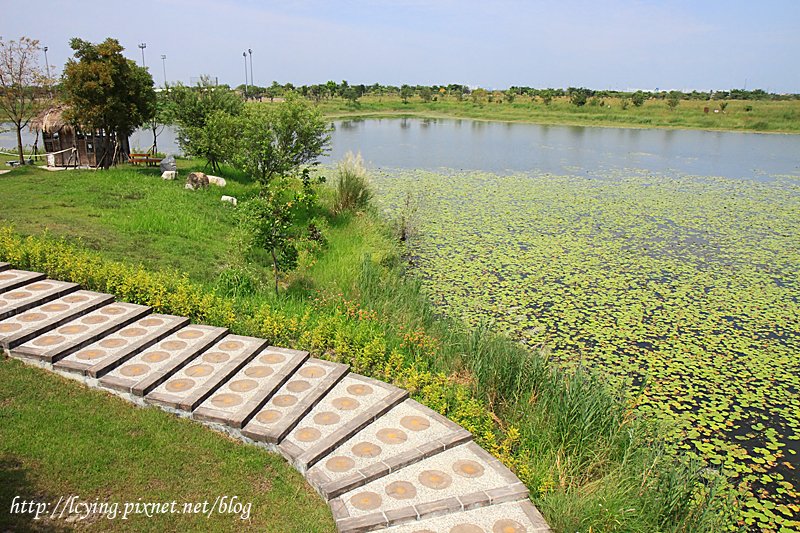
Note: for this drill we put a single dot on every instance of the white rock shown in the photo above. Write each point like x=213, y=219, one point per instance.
x=188, y=186
x=169, y=175
x=216, y=180
x=230, y=199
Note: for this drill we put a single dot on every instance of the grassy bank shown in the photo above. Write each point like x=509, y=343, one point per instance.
x=739, y=115
x=590, y=462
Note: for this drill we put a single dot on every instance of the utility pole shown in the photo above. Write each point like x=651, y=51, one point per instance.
x=142, y=46
x=47, y=66
x=244, y=55
x=164, y=64
x=252, y=81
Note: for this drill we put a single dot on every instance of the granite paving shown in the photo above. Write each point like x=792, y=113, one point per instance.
x=381, y=460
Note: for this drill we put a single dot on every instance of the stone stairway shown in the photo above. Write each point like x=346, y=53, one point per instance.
x=380, y=459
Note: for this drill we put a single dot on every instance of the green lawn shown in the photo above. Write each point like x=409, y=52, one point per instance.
x=60, y=439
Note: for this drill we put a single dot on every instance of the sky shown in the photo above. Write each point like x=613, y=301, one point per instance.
x=601, y=44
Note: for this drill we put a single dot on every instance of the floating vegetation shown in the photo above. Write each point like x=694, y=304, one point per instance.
x=684, y=287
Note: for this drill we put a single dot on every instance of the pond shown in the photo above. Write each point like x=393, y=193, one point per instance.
x=510, y=147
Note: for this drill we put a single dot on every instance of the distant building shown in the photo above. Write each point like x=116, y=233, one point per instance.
x=68, y=145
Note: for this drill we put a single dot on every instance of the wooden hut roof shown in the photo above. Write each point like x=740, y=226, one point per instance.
x=51, y=120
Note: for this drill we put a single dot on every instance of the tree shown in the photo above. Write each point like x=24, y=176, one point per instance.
x=104, y=90
x=20, y=77
x=204, y=116
x=673, y=98
x=578, y=95
x=638, y=98
x=351, y=95
x=278, y=140
x=406, y=92
x=426, y=94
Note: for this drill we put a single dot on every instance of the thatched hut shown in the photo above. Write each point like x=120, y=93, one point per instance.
x=69, y=145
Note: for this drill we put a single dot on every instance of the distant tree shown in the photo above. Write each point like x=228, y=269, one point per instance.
x=510, y=95
x=479, y=96
x=104, y=90
x=624, y=103
x=351, y=95
x=638, y=98
x=673, y=99
x=21, y=96
x=426, y=94
x=279, y=140
x=578, y=95
x=406, y=92
x=722, y=105
x=547, y=96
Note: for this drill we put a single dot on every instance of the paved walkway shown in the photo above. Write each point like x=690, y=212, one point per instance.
x=380, y=459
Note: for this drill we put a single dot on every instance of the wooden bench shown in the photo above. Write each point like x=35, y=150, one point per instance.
x=147, y=159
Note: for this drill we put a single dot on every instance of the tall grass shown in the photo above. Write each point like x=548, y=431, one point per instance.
x=353, y=189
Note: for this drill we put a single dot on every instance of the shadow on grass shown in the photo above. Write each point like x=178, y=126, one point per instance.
x=15, y=483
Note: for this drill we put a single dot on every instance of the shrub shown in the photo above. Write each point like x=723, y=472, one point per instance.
x=353, y=188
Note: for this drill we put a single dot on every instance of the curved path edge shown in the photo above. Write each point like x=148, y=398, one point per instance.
x=381, y=460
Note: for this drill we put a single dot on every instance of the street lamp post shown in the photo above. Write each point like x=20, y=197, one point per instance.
x=244, y=55
x=252, y=82
x=164, y=64
x=47, y=66
x=142, y=46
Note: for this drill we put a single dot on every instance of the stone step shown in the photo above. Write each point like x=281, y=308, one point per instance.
x=32, y=295
x=37, y=321
x=236, y=401
x=4, y=266
x=81, y=331
x=459, y=479
x=293, y=400
x=104, y=355
x=349, y=406
x=511, y=517
x=408, y=433
x=193, y=383
x=12, y=279
x=149, y=368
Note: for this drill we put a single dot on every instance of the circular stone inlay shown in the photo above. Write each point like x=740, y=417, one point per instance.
x=94, y=319
x=180, y=385
x=307, y=434
x=258, y=371
x=230, y=346
x=415, y=423
x=91, y=354
x=49, y=340
x=151, y=322
x=216, y=357
x=38, y=286
x=366, y=450
x=312, y=372
x=272, y=358
x=359, y=390
x=298, y=386
x=113, y=343
x=72, y=330
x=243, y=385
x=173, y=345
x=507, y=525
x=32, y=317
x=435, y=479
x=466, y=528
x=8, y=328
x=17, y=295
x=345, y=404
x=284, y=400
x=134, y=370
x=75, y=298
x=366, y=501
x=326, y=418
x=190, y=334
x=392, y=436
x=401, y=490
x=7, y=276
x=226, y=400
x=199, y=371
x=111, y=310
x=156, y=356
x=133, y=332
x=467, y=468
x=339, y=463
x=55, y=308
x=268, y=416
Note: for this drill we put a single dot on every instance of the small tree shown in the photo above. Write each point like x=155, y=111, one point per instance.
x=20, y=77
x=351, y=95
x=104, y=90
x=578, y=96
x=426, y=94
x=673, y=99
x=638, y=98
x=279, y=140
x=406, y=92
x=722, y=105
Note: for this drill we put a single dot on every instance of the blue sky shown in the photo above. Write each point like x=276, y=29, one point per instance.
x=610, y=44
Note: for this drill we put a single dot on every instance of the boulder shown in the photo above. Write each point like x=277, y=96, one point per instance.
x=196, y=180
x=168, y=164
x=169, y=175
x=230, y=199
x=216, y=180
